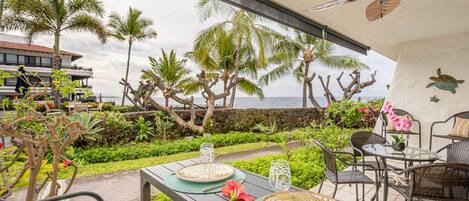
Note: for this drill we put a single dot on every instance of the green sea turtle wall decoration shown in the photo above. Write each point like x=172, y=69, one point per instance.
x=445, y=82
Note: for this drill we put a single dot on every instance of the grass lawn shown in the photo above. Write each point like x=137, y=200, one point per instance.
x=105, y=168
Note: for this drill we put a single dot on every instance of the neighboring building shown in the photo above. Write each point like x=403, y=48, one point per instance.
x=37, y=61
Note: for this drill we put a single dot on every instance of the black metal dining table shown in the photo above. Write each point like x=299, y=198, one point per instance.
x=255, y=185
x=410, y=154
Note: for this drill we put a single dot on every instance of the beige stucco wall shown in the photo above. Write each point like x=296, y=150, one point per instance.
x=418, y=61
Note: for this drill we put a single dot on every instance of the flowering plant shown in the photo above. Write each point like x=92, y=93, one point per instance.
x=234, y=190
x=401, y=123
x=66, y=163
x=1, y=145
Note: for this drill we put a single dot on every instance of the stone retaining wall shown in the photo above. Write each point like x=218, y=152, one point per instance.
x=225, y=120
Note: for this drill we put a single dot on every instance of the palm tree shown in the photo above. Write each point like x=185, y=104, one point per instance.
x=217, y=56
x=171, y=71
x=301, y=51
x=132, y=28
x=53, y=17
x=246, y=33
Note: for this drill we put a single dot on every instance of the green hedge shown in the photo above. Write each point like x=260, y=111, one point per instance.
x=158, y=148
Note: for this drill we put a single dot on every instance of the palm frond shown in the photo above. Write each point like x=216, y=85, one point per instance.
x=88, y=23
x=343, y=62
x=275, y=74
x=250, y=88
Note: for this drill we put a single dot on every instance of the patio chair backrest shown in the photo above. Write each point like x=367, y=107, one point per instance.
x=440, y=181
x=462, y=115
x=360, y=138
x=458, y=152
x=330, y=163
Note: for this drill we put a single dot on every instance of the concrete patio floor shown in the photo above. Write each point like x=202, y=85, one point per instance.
x=346, y=192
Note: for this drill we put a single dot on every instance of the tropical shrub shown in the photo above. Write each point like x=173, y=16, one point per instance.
x=260, y=128
x=163, y=123
x=345, y=113
x=115, y=130
x=144, y=129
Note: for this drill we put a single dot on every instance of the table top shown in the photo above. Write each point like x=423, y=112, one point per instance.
x=409, y=154
x=255, y=185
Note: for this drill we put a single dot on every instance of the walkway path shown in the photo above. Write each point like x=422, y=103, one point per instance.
x=124, y=186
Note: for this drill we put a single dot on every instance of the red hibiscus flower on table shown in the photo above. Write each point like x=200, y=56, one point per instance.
x=234, y=190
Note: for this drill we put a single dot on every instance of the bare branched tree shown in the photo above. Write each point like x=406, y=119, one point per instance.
x=348, y=91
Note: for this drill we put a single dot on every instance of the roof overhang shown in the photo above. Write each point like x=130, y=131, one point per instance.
x=347, y=25
x=280, y=14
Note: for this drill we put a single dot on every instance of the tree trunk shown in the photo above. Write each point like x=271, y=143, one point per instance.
x=166, y=101
x=2, y=4
x=55, y=170
x=56, y=66
x=305, y=84
x=225, y=83
x=232, y=97
x=236, y=70
x=127, y=72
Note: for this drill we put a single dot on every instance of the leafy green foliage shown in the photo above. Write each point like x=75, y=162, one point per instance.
x=89, y=122
x=306, y=163
x=158, y=148
x=345, y=113
x=62, y=82
x=115, y=130
x=144, y=129
x=163, y=123
x=265, y=129
x=398, y=139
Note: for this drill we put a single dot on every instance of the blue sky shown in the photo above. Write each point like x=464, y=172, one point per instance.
x=177, y=24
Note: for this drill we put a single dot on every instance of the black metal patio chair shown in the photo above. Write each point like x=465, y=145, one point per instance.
x=360, y=138
x=457, y=152
x=399, y=112
x=353, y=176
x=435, y=181
x=453, y=138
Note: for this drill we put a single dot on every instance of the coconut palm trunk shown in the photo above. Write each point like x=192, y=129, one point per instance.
x=56, y=66
x=124, y=93
x=236, y=70
x=305, y=84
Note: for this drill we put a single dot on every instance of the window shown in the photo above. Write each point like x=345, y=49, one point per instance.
x=31, y=61
x=21, y=59
x=45, y=61
x=38, y=61
x=2, y=58
x=10, y=81
x=11, y=58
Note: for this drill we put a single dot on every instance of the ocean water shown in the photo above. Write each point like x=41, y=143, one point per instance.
x=250, y=102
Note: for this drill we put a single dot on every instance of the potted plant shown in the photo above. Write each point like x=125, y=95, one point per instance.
x=399, y=142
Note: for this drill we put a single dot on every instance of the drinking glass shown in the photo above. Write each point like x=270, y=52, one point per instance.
x=279, y=175
x=207, y=153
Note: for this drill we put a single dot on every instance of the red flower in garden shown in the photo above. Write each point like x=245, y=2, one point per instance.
x=363, y=109
x=1, y=145
x=67, y=163
x=234, y=190
x=50, y=105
